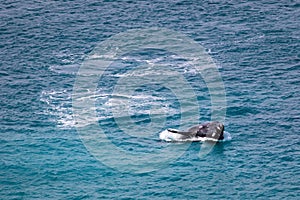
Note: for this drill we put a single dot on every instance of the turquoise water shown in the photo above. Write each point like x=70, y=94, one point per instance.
x=255, y=45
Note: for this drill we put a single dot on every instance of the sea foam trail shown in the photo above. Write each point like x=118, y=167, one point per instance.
x=58, y=104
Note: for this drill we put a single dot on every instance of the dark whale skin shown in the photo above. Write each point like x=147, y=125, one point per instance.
x=214, y=130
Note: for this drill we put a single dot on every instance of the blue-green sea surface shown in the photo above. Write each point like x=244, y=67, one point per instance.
x=255, y=45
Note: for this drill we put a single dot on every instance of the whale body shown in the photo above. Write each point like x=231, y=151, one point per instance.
x=201, y=132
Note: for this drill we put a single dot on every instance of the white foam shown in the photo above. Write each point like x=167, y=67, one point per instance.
x=174, y=137
x=58, y=104
x=227, y=136
x=65, y=69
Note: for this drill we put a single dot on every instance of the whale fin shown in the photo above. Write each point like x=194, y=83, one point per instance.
x=179, y=132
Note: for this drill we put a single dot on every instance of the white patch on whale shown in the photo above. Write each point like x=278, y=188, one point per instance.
x=174, y=137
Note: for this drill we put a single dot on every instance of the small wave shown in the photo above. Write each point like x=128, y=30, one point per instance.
x=71, y=69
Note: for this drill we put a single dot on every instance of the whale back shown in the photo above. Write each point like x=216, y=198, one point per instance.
x=210, y=129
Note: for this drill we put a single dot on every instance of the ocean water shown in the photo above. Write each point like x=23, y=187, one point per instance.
x=46, y=152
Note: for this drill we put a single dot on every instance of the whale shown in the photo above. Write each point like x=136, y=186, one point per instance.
x=206, y=131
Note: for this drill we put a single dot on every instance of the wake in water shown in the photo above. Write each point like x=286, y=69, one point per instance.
x=140, y=99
